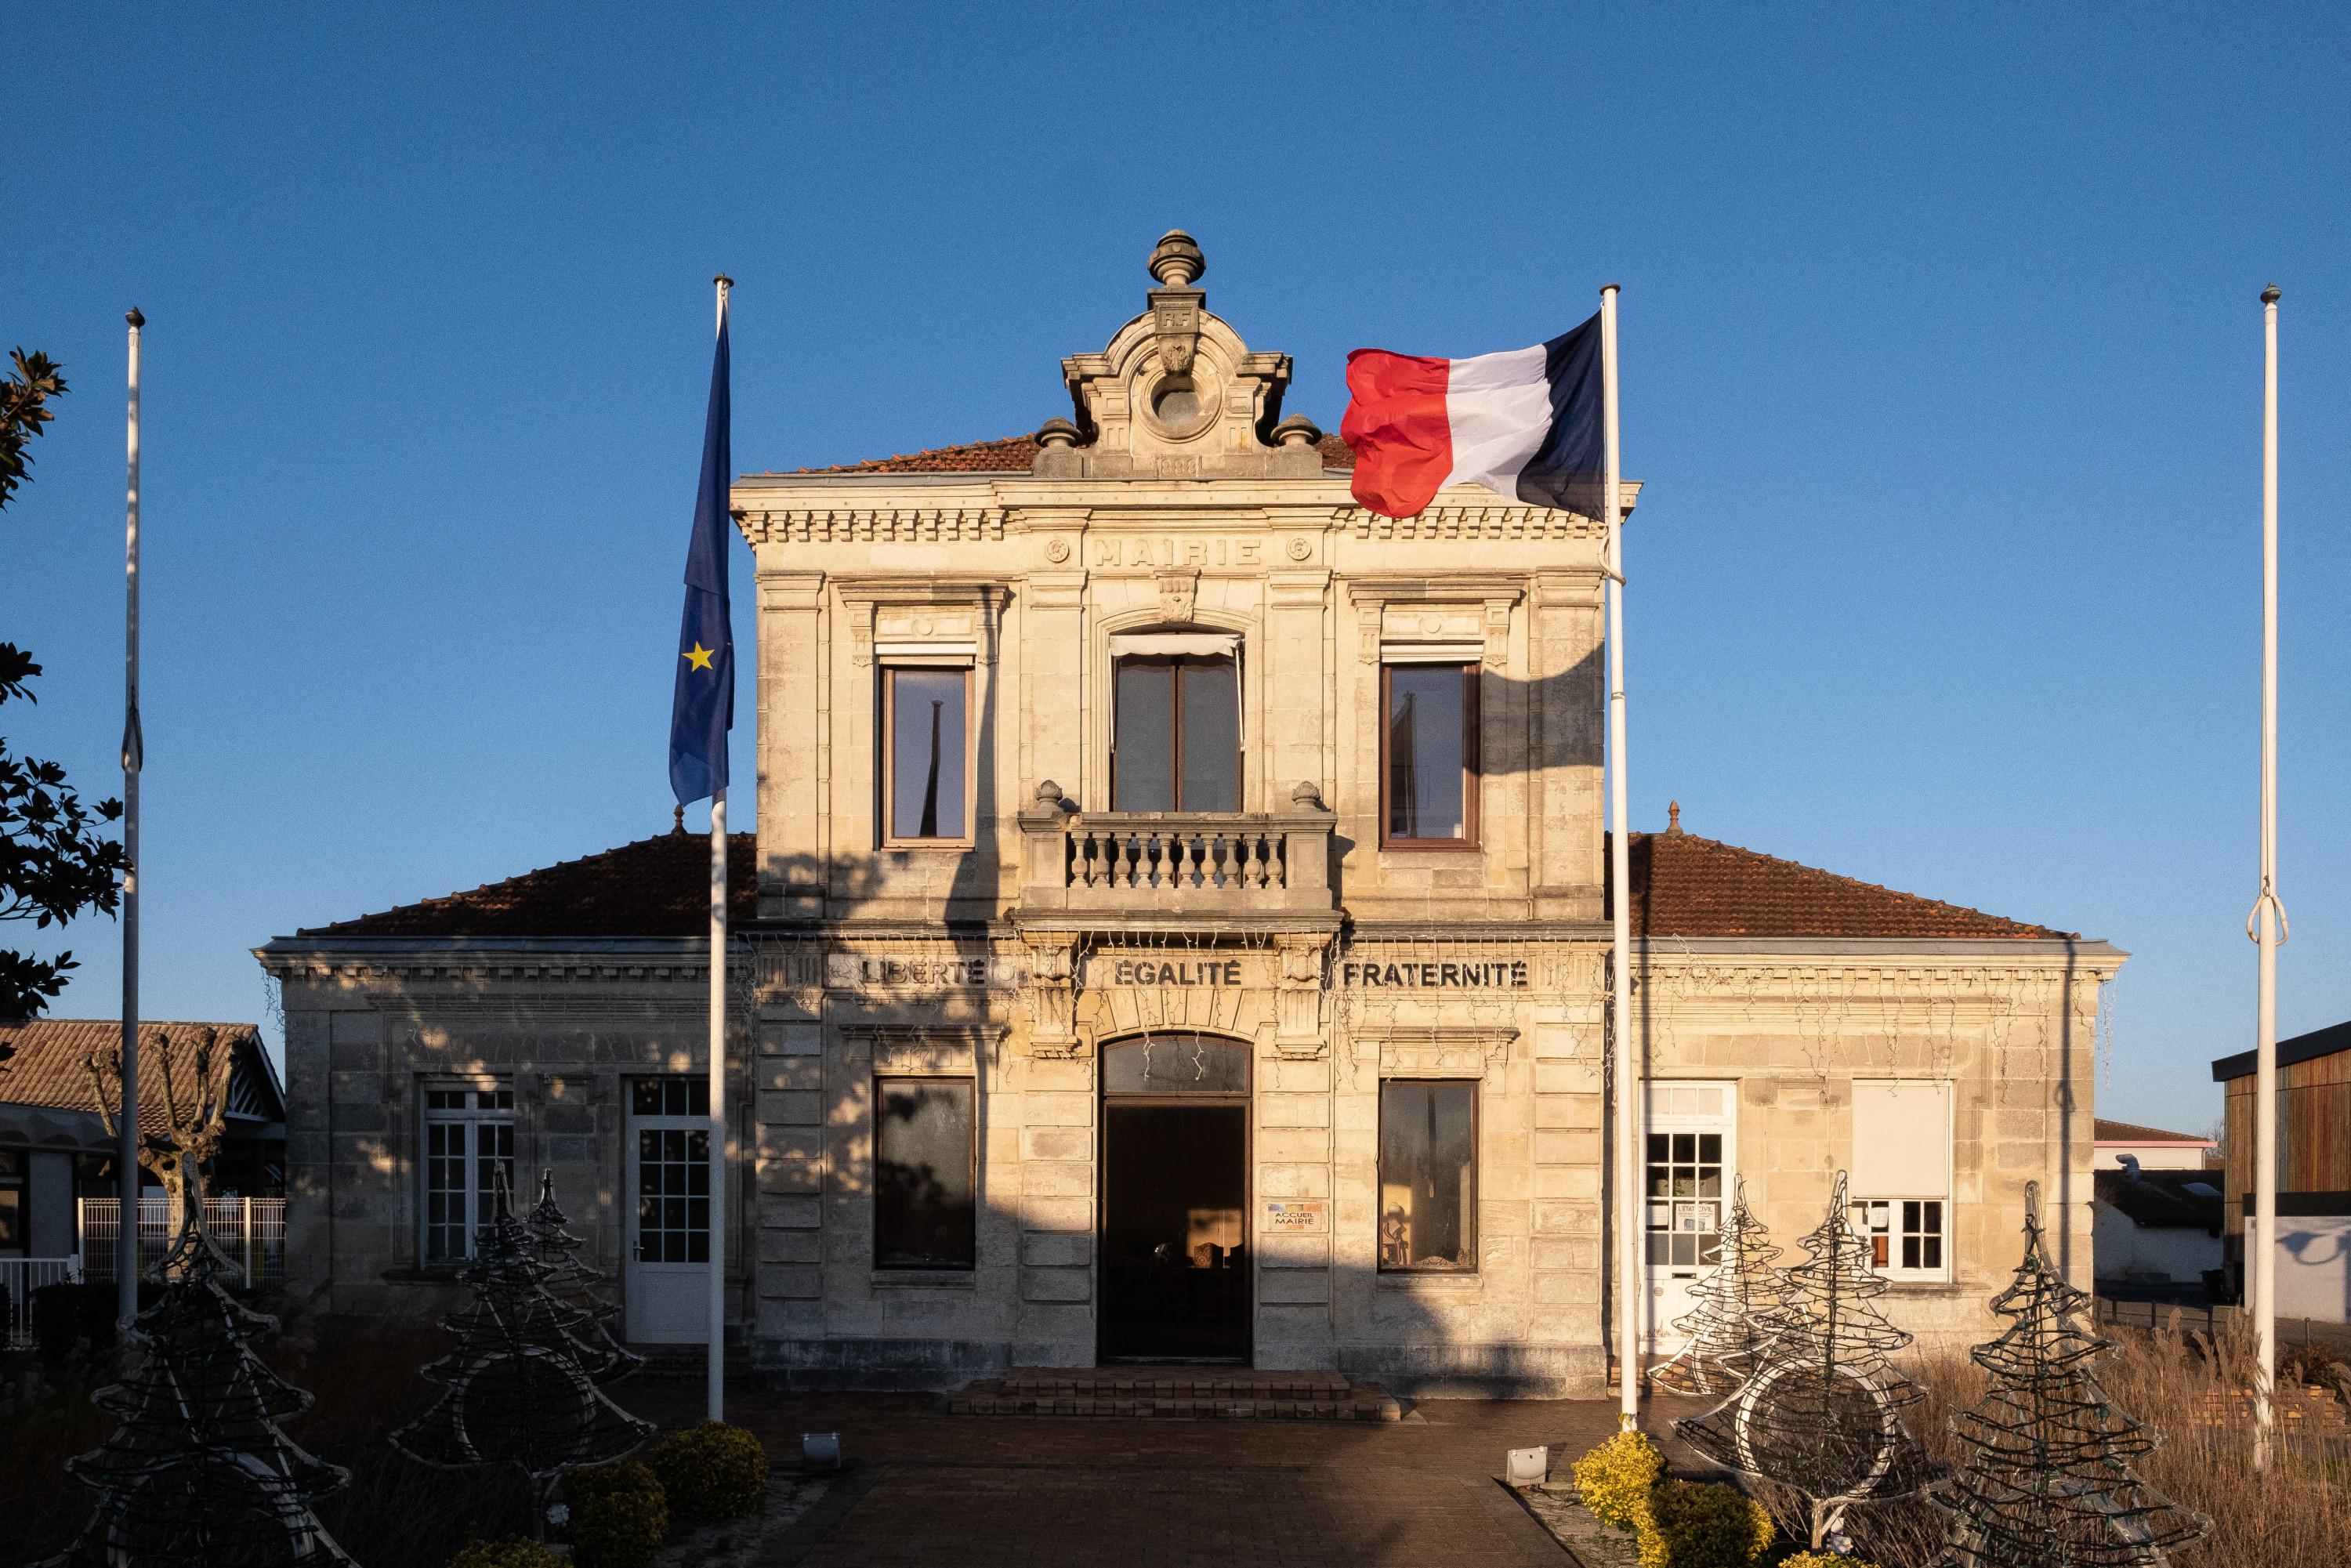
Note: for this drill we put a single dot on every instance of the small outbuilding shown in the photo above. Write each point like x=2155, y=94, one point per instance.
x=2313, y=1165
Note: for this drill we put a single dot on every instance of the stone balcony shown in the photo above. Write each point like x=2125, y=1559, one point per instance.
x=1132, y=863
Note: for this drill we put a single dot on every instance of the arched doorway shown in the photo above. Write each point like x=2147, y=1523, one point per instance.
x=1175, y=1198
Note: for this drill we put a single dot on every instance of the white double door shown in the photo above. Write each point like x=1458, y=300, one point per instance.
x=666, y=1268
x=1690, y=1154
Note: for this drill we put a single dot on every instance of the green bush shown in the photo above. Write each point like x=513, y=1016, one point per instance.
x=1822, y=1559
x=515, y=1554
x=710, y=1471
x=619, y=1515
x=1614, y=1479
x=1703, y=1524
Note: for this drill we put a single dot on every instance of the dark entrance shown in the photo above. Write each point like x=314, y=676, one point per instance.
x=1176, y=1267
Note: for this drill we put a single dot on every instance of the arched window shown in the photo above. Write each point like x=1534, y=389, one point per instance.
x=1175, y=1064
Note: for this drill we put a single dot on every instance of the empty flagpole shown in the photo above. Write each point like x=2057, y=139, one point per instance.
x=1620, y=881
x=126, y=1156
x=717, y=1369
x=2267, y=925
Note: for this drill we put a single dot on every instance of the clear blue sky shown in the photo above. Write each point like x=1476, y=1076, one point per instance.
x=1941, y=362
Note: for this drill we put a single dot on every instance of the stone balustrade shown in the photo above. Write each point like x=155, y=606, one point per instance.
x=1136, y=862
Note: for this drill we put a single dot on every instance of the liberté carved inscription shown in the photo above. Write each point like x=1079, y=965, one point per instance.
x=1173, y=551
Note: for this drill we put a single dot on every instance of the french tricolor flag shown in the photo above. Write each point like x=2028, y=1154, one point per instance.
x=1527, y=424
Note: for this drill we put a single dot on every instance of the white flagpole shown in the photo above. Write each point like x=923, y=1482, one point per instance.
x=126, y=1157
x=2267, y=926
x=717, y=1394
x=1620, y=882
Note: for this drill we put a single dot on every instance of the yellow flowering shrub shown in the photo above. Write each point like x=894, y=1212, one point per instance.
x=619, y=1515
x=710, y=1471
x=1614, y=1479
x=1702, y=1524
x=515, y=1554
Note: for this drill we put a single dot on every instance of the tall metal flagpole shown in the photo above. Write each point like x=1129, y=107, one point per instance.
x=2267, y=925
x=1620, y=883
x=126, y=1156
x=716, y=1397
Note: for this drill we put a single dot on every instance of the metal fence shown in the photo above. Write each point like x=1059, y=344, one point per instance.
x=19, y=1277
x=251, y=1230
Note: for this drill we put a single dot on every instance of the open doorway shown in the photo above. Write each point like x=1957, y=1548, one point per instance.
x=1175, y=1227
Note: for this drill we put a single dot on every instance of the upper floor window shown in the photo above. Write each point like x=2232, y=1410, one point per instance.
x=1175, y=723
x=1428, y=755
x=926, y=756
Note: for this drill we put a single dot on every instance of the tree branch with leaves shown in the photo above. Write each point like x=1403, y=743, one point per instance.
x=53, y=863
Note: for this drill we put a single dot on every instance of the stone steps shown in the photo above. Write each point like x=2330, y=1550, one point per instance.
x=1176, y=1393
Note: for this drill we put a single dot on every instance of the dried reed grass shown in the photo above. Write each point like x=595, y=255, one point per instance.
x=2192, y=1389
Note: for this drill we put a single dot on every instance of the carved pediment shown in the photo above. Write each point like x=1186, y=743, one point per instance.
x=1178, y=394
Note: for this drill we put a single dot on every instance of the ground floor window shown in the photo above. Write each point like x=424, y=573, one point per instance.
x=468, y=1151
x=1429, y=1175
x=1905, y=1234
x=924, y=1212
x=1900, y=1184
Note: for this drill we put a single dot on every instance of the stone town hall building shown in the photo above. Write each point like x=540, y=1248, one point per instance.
x=1176, y=928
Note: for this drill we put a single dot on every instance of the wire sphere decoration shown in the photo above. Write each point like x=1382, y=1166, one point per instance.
x=517, y=1390
x=1821, y=1413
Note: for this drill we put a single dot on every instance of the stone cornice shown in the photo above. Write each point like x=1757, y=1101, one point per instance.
x=473, y=960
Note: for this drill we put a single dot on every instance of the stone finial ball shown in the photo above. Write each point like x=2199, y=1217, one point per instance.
x=1176, y=261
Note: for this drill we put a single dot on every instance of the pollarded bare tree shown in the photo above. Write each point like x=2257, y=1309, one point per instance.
x=195, y=1113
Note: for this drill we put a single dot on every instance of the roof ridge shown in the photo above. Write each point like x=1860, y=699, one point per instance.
x=1333, y=447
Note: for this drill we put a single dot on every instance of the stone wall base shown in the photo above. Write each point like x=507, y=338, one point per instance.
x=1479, y=1371
x=878, y=1365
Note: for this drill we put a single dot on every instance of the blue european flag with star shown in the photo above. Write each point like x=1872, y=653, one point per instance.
x=704, y=708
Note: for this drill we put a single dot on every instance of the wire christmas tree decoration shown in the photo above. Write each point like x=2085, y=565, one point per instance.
x=197, y=1473
x=519, y=1389
x=604, y=1359
x=2047, y=1478
x=1821, y=1413
x=1742, y=1307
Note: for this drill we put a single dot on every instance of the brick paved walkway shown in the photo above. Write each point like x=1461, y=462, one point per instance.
x=979, y=1492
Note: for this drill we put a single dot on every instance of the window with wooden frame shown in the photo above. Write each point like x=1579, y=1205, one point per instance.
x=1175, y=743
x=927, y=768
x=1429, y=1175
x=925, y=1178
x=1428, y=755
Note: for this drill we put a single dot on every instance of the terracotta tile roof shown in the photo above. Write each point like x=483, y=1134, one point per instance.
x=2106, y=1132
x=1013, y=455
x=50, y=1069
x=1684, y=885
x=654, y=887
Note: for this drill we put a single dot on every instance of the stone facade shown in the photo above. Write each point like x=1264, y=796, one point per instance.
x=1176, y=500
